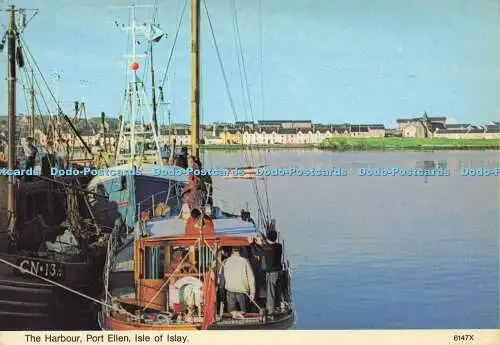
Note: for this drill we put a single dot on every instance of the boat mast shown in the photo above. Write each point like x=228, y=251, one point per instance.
x=32, y=105
x=153, y=91
x=135, y=142
x=133, y=93
x=103, y=125
x=11, y=85
x=195, y=78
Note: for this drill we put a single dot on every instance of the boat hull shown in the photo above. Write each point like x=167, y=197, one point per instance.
x=107, y=323
x=29, y=303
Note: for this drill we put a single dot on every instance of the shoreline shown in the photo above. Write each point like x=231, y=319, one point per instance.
x=374, y=144
x=408, y=144
x=239, y=147
x=370, y=144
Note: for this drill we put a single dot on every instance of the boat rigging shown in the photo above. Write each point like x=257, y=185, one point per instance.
x=139, y=139
x=167, y=270
x=51, y=234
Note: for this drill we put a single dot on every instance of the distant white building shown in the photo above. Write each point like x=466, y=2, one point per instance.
x=212, y=140
x=181, y=136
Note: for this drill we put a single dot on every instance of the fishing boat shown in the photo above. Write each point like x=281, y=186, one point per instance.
x=139, y=168
x=167, y=274
x=51, y=252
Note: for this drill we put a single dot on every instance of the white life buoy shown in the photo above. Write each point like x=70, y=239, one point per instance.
x=186, y=291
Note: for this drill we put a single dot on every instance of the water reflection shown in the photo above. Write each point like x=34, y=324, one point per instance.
x=388, y=251
x=431, y=164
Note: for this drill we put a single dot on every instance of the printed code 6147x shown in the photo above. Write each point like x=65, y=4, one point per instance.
x=463, y=337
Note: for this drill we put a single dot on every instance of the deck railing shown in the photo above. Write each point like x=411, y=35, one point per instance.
x=150, y=203
x=225, y=200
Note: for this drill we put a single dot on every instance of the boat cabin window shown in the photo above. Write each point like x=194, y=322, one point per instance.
x=193, y=263
x=154, y=262
x=176, y=256
x=178, y=252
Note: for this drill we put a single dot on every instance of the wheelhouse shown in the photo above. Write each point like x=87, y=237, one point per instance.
x=167, y=275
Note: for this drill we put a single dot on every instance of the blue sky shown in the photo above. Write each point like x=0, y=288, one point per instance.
x=331, y=61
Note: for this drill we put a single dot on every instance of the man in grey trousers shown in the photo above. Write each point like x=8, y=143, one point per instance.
x=271, y=255
x=239, y=282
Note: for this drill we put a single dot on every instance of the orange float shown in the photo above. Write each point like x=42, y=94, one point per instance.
x=134, y=66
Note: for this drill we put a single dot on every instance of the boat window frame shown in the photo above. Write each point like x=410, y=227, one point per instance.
x=160, y=262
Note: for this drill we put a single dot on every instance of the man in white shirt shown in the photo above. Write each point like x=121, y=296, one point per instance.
x=239, y=282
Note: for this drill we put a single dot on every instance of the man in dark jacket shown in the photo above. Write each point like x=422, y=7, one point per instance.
x=270, y=254
x=30, y=152
x=182, y=159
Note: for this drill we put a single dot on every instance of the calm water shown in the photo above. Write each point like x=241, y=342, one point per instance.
x=385, y=252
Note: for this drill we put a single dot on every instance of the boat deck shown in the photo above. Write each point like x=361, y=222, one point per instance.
x=254, y=321
x=282, y=321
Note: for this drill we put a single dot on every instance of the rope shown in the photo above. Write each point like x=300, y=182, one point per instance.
x=253, y=301
x=174, y=43
x=60, y=112
x=244, y=86
x=262, y=94
x=30, y=56
x=244, y=78
x=62, y=286
x=24, y=77
x=239, y=55
x=231, y=102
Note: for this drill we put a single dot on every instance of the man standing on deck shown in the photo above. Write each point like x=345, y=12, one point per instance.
x=48, y=159
x=239, y=282
x=182, y=159
x=271, y=263
x=62, y=154
x=164, y=153
x=191, y=193
x=30, y=152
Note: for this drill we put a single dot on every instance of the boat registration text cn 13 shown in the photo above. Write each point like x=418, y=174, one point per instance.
x=41, y=268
